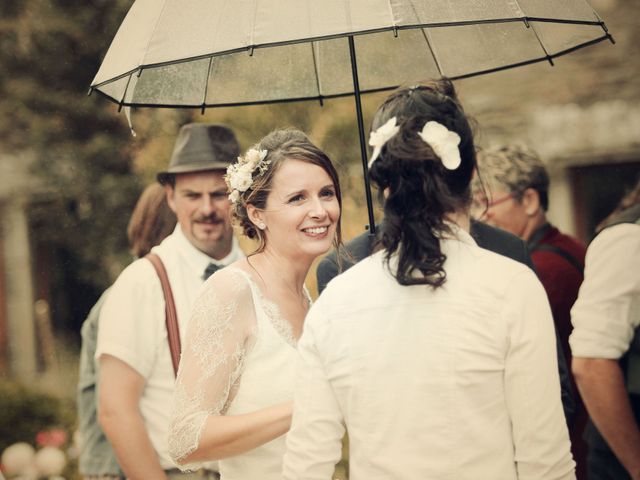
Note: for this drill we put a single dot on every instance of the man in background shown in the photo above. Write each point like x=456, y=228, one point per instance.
x=606, y=344
x=136, y=371
x=511, y=191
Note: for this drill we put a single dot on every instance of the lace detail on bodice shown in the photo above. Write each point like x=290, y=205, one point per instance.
x=274, y=314
x=220, y=334
x=223, y=329
x=280, y=324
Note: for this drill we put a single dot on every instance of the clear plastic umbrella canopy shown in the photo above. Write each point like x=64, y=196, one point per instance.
x=209, y=53
x=201, y=53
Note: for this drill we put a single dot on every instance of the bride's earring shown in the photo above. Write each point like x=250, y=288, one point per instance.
x=262, y=226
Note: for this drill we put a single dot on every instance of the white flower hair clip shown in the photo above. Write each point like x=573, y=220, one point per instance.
x=444, y=143
x=239, y=175
x=381, y=136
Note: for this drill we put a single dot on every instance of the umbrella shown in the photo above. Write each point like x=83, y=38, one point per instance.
x=211, y=53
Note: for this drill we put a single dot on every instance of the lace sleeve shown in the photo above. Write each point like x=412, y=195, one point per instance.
x=220, y=333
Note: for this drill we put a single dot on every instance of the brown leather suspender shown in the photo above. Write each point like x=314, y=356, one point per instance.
x=173, y=330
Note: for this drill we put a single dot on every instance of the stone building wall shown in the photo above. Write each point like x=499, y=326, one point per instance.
x=581, y=114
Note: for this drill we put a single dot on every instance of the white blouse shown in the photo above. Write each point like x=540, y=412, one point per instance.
x=239, y=356
x=460, y=382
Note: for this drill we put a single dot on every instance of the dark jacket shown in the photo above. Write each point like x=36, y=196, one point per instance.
x=487, y=237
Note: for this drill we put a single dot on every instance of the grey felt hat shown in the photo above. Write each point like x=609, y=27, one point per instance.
x=200, y=147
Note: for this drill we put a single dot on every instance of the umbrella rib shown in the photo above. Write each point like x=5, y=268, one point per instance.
x=531, y=61
x=393, y=16
x=315, y=70
x=426, y=39
x=425, y=35
x=544, y=49
x=535, y=32
x=206, y=86
x=124, y=94
x=253, y=27
x=155, y=27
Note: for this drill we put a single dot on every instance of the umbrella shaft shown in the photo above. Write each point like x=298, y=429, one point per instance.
x=363, y=145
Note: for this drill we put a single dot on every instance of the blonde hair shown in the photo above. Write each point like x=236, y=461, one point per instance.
x=514, y=167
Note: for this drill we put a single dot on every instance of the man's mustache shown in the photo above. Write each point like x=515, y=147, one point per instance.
x=209, y=219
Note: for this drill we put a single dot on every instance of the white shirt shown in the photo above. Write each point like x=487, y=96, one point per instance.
x=607, y=310
x=460, y=382
x=132, y=325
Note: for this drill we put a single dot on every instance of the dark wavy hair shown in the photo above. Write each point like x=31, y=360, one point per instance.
x=419, y=190
x=629, y=200
x=281, y=145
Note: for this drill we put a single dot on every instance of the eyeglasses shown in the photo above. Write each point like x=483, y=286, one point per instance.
x=480, y=206
x=498, y=201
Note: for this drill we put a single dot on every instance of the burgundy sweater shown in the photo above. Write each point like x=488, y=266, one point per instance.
x=560, y=278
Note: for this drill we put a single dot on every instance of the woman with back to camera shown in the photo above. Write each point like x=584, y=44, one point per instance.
x=235, y=383
x=438, y=356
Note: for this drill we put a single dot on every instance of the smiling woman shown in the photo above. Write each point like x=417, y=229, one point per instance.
x=280, y=146
x=235, y=383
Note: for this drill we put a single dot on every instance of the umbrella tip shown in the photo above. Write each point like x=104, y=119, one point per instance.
x=90, y=91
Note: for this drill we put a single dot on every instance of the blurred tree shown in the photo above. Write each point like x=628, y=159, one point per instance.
x=49, y=52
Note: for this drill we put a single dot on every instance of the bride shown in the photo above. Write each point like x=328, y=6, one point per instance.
x=235, y=383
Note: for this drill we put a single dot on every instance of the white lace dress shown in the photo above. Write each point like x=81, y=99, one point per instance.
x=239, y=356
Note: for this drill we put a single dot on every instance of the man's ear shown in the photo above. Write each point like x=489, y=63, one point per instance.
x=531, y=201
x=256, y=216
x=170, y=192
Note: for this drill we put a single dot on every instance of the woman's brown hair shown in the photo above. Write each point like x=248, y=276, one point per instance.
x=151, y=221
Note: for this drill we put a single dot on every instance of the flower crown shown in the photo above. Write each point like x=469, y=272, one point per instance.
x=443, y=141
x=240, y=175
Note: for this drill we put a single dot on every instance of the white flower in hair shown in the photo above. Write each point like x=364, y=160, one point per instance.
x=241, y=180
x=253, y=158
x=239, y=176
x=381, y=136
x=234, y=196
x=444, y=143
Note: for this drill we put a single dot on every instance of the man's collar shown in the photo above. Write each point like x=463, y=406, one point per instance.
x=198, y=260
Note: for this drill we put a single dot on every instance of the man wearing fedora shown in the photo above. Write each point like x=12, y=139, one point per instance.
x=136, y=371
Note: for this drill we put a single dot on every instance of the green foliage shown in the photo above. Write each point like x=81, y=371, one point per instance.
x=25, y=412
